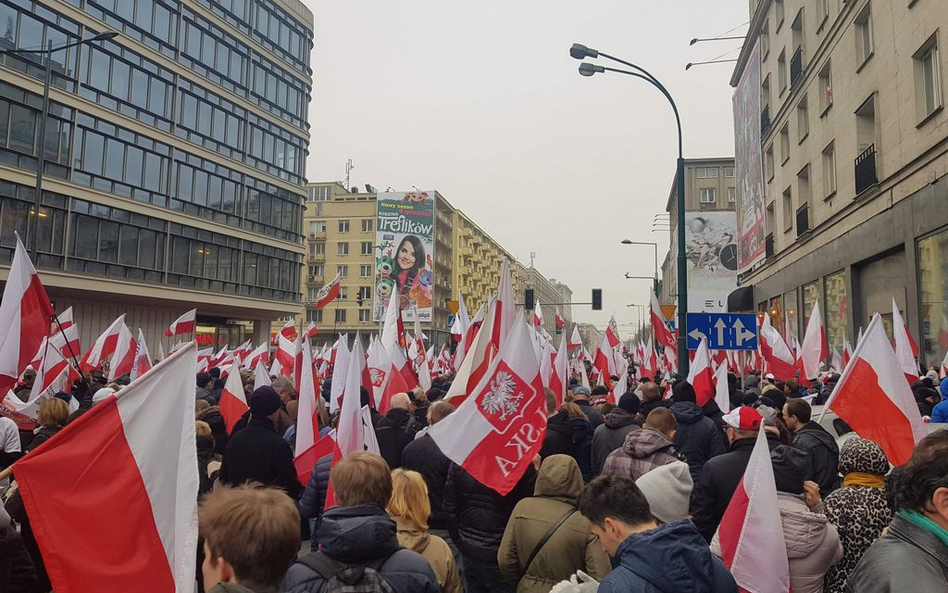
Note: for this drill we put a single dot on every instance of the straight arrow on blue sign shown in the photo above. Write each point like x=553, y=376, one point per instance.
x=723, y=331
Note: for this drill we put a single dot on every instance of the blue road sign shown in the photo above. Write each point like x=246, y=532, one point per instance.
x=724, y=331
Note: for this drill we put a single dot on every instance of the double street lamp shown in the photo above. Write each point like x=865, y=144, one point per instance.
x=39, y=143
x=581, y=52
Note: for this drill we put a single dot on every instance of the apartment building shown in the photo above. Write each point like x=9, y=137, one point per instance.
x=853, y=145
x=174, y=159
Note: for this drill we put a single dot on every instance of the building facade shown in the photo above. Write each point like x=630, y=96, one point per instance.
x=174, y=159
x=855, y=146
x=551, y=296
x=478, y=260
x=710, y=235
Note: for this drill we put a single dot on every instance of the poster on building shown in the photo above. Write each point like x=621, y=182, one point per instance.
x=711, y=252
x=404, y=254
x=748, y=168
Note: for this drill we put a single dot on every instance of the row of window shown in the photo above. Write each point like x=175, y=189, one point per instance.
x=709, y=195
x=316, y=315
x=152, y=22
x=712, y=172
x=321, y=193
x=29, y=24
x=316, y=271
x=792, y=309
x=342, y=248
x=319, y=226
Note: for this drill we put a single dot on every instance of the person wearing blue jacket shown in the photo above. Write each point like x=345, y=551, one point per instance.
x=647, y=556
x=940, y=411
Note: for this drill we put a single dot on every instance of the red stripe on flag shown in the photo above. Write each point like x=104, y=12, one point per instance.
x=232, y=409
x=70, y=495
x=732, y=524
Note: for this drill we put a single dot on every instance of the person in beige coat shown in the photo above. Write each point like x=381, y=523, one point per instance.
x=571, y=547
x=410, y=508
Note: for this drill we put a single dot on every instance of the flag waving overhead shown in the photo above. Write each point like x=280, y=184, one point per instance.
x=131, y=456
x=142, y=362
x=660, y=330
x=233, y=402
x=776, y=352
x=25, y=314
x=183, y=325
x=873, y=397
x=903, y=346
x=813, y=351
x=701, y=375
x=538, y=315
x=328, y=293
x=575, y=340
x=124, y=358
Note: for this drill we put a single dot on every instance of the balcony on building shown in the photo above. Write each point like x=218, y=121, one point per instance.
x=769, y=245
x=764, y=121
x=796, y=66
x=865, y=169
x=803, y=219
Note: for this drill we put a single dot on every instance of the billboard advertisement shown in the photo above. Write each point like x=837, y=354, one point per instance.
x=711, y=251
x=748, y=167
x=405, y=254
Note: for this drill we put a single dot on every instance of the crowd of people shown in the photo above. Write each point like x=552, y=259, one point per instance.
x=624, y=496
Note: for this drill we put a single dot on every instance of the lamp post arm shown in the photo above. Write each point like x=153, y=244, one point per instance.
x=654, y=82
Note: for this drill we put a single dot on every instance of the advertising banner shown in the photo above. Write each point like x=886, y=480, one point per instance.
x=711, y=251
x=751, y=219
x=404, y=260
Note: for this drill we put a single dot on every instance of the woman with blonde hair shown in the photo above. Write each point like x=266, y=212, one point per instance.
x=410, y=508
x=51, y=418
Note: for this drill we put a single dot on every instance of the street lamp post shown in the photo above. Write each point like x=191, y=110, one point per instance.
x=655, y=247
x=31, y=232
x=581, y=52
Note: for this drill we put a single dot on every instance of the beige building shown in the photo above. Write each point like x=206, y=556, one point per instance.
x=854, y=153
x=478, y=259
x=551, y=294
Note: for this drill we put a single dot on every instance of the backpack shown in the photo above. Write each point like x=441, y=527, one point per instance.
x=349, y=578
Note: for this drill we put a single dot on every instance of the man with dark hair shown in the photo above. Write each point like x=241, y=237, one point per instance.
x=202, y=391
x=648, y=557
x=358, y=539
x=913, y=555
x=815, y=440
x=610, y=435
x=697, y=437
x=236, y=563
x=581, y=397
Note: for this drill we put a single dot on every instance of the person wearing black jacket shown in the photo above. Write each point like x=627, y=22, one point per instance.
x=423, y=456
x=815, y=440
x=611, y=433
x=697, y=436
x=720, y=476
x=477, y=518
x=312, y=503
x=257, y=453
x=651, y=399
x=581, y=398
x=396, y=430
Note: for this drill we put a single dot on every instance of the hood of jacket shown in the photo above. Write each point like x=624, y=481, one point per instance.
x=673, y=557
x=645, y=443
x=397, y=417
x=803, y=530
x=357, y=534
x=411, y=537
x=618, y=418
x=943, y=387
x=559, y=478
x=861, y=455
x=687, y=412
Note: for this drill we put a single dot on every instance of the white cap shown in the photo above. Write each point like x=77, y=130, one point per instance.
x=102, y=394
x=770, y=377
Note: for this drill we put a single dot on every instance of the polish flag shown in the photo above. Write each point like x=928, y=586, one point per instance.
x=288, y=331
x=701, y=375
x=393, y=335
x=131, y=456
x=496, y=433
x=103, y=347
x=560, y=377
x=25, y=314
x=537, y=315
x=124, y=358
x=350, y=431
x=671, y=359
x=183, y=325
x=750, y=534
x=775, y=352
x=459, y=333
x=260, y=376
x=328, y=293
x=837, y=360
x=380, y=370
x=847, y=353
x=310, y=331
x=63, y=321
x=161, y=352
x=612, y=333
x=722, y=395
x=53, y=374
x=459, y=387
x=575, y=340
x=340, y=371
x=903, y=346
x=814, y=349
x=66, y=341
x=307, y=425
x=663, y=335
x=560, y=323
x=260, y=354
x=505, y=309
x=605, y=361
x=233, y=402
x=285, y=354
x=142, y=363
x=873, y=397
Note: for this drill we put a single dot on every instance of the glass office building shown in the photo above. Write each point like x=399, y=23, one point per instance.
x=174, y=158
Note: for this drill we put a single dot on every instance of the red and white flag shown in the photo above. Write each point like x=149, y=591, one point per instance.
x=350, y=432
x=307, y=425
x=260, y=376
x=380, y=370
x=611, y=334
x=25, y=314
x=498, y=430
x=288, y=331
x=124, y=358
x=701, y=375
x=103, y=347
x=663, y=335
x=142, y=363
x=328, y=293
x=605, y=361
x=847, y=353
x=53, y=374
x=183, y=325
x=560, y=323
x=775, y=352
x=751, y=534
x=63, y=321
x=285, y=354
x=131, y=456
x=259, y=354
x=233, y=403
x=814, y=349
x=310, y=331
x=903, y=346
x=722, y=395
x=575, y=340
x=560, y=377
x=873, y=397
x=538, y=315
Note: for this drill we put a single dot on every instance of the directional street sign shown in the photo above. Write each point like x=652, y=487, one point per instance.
x=724, y=331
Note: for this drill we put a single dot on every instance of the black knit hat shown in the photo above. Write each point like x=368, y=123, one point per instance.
x=264, y=401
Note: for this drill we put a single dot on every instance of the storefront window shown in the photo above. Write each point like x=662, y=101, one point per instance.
x=791, y=313
x=837, y=304
x=811, y=296
x=933, y=293
x=776, y=313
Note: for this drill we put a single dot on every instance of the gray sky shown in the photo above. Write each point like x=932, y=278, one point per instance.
x=483, y=103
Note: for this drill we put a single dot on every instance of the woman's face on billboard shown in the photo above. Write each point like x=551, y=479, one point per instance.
x=406, y=256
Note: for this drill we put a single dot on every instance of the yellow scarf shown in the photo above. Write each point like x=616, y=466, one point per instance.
x=864, y=479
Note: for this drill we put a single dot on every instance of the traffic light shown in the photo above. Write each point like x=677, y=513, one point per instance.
x=528, y=299
x=597, y=299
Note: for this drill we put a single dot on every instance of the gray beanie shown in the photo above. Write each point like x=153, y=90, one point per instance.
x=668, y=491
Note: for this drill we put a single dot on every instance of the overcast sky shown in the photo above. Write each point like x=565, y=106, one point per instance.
x=482, y=102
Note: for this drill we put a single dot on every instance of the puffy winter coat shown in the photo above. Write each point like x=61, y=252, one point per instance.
x=670, y=558
x=477, y=515
x=907, y=558
x=940, y=411
x=643, y=450
x=697, y=437
x=824, y=453
x=610, y=435
x=258, y=454
x=572, y=547
x=718, y=480
x=360, y=535
x=436, y=551
x=394, y=432
x=423, y=456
